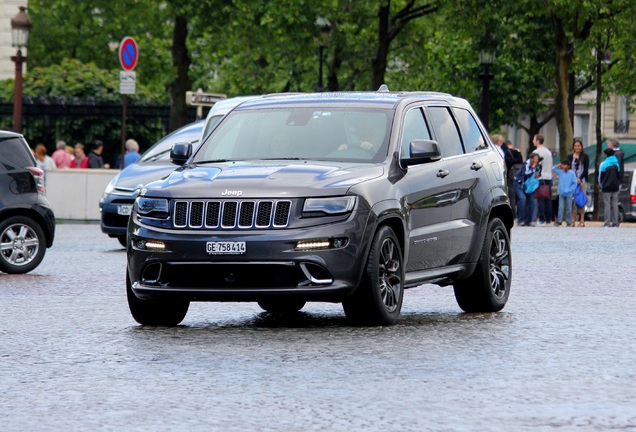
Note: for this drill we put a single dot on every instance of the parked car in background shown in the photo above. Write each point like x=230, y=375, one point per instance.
x=336, y=197
x=117, y=200
x=27, y=222
x=118, y=197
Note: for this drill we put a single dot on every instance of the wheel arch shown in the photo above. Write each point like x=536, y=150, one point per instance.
x=33, y=215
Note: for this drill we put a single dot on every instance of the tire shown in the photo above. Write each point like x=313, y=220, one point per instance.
x=167, y=313
x=22, y=245
x=378, y=299
x=487, y=289
x=281, y=306
x=122, y=241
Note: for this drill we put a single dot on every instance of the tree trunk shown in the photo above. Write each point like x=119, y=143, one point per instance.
x=599, y=132
x=181, y=84
x=564, y=52
x=378, y=65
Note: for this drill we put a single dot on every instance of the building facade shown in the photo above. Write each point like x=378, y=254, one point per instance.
x=616, y=122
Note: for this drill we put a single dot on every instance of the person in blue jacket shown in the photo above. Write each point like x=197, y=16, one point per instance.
x=567, y=186
x=609, y=178
x=526, y=202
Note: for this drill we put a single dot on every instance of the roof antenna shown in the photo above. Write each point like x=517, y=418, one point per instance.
x=384, y=88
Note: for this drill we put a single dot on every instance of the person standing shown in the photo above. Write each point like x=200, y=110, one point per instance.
x=609, y=179
x=580, y=164
x=526, y=202
x=80, y=160
x=514, y=161
x=61, y=156
x=567, y=185
x=613, y=144
x=544, y=206
x=95, y=156
x=132, y=153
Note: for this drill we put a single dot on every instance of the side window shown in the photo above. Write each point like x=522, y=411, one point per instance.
x=446, y=131
x=473, y=139
x=14, y=154
x=414, y=128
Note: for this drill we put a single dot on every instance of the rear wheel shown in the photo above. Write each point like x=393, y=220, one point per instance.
x=378, y=299
x=487, y=289
x=166, y=313
x=22, y=245
x=281, y=306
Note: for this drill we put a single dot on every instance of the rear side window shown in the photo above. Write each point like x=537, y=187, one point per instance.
x=473, y=139
x=14, y=154
x=446, y=132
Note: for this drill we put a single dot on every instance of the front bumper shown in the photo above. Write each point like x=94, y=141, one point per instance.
x=113, y=222
x=270, y=267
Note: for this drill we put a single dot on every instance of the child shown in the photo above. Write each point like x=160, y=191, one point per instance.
x=567, y=185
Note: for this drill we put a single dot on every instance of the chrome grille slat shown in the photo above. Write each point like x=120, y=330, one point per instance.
x=231, y=214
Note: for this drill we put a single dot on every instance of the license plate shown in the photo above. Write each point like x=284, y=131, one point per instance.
x=225, y=248
x=124, y=210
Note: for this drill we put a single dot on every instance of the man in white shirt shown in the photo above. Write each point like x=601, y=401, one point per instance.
x=544, y=206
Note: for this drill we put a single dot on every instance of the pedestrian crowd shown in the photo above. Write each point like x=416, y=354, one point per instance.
x=67, y=157
x=530, y=183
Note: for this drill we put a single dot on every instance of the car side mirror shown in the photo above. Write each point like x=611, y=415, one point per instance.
x=421, y=151
x=180, y=153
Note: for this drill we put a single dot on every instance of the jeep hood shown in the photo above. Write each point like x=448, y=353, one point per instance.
x=271, y=179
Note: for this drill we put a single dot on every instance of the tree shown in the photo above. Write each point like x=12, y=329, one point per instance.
x=389, y=27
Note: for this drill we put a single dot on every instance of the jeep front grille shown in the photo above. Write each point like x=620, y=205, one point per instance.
x=240, y=214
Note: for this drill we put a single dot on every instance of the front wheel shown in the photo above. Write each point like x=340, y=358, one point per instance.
x=487, y=289
x=22, y=245
x=168, y=313
x=378, y=299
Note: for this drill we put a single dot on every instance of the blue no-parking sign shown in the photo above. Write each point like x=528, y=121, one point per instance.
x=128, y=53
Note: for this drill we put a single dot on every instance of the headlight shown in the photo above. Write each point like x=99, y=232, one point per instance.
x=111, y=185
x=152, y=206
x=331, y=205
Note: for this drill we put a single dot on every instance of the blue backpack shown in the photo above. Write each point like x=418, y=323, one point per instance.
x=530, y=185
x=580, y=197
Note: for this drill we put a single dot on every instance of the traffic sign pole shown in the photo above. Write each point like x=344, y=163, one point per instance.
x=128, y=57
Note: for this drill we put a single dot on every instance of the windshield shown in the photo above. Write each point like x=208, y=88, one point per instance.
x=300, y=133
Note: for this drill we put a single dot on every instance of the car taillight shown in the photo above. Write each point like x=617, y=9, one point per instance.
x=632, y=199
x=38, y=176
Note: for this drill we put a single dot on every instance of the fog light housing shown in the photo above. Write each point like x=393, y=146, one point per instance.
x=320, y=244
x=149, y=245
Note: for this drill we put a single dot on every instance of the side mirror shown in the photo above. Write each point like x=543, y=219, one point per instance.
x=180, y=153
x=421, y=151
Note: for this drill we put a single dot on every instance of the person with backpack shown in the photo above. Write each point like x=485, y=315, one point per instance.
x=609, y=180
x=526, y=184
x=567, y=185
x=580, y=163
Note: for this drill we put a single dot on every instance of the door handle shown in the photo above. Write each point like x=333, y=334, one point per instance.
x=442, y=173
x=476, y=166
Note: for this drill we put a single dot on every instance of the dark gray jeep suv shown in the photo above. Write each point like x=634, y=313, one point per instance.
x=337, y=197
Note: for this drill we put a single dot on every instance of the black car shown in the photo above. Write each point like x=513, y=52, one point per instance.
x=117, y=201
x=27, y=222
x=337, y=197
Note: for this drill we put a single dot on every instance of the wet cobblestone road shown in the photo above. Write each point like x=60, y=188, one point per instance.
x=560, y=356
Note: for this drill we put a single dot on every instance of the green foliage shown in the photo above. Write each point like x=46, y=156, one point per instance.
x=73, y=82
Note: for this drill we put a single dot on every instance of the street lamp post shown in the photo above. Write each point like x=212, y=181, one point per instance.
x=486, y=58
x=20, y=26
x=325, y=27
